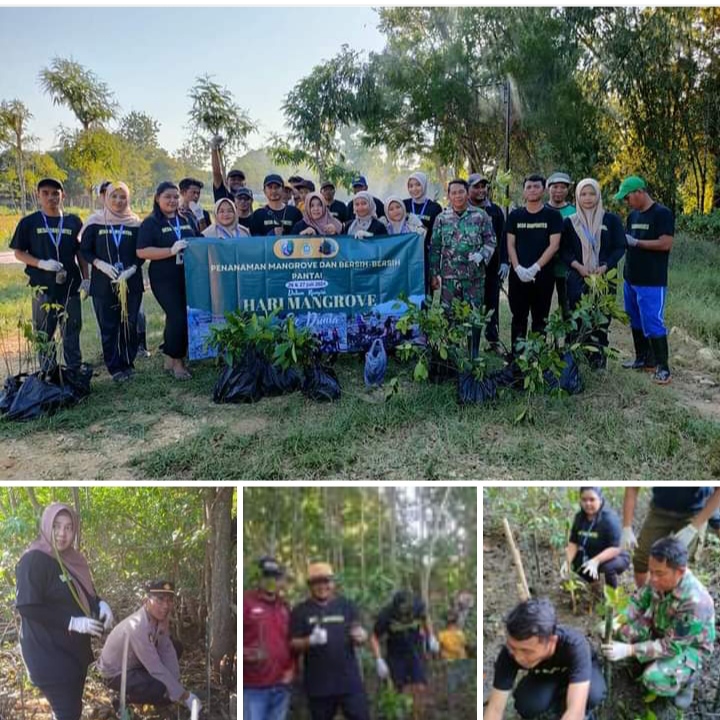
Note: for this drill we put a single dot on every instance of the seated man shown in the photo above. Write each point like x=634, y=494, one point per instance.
x=562, y=676
x=153, y=672
x=668, y=625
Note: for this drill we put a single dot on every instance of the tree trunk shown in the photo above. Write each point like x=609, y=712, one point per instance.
x=33, y=500
x=76, y=502
x=222, y=628
x=362, y=539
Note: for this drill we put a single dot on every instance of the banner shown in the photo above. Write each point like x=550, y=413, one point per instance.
x=346, y=289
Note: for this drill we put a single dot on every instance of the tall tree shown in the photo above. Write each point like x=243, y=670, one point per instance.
x=140, y=130
x=14, y=119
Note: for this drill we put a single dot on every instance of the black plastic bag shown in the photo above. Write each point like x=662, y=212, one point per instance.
x=441, y=370
x=10, y=390
x=375, y=364
x=569, y=380
x=321, y=384
x=509, y=377
x=472, y=391
x=241, y=382
x=276, y=381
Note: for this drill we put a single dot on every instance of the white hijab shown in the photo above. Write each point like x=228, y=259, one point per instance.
x=588, y=224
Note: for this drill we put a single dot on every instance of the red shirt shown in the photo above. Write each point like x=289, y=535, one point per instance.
x=266, y=628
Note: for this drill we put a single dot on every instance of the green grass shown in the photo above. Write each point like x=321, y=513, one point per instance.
x=621, y=427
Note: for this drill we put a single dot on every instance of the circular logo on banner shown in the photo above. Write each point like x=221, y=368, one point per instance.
x=313, y=247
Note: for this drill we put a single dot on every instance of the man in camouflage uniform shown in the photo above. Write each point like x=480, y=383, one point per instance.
x=668, y=625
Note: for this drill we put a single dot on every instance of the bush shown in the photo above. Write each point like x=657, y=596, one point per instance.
x=703, y=226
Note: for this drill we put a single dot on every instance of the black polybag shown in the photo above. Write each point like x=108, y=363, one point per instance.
x=240, y=382
x=472, y=391
x=321, y=384
x=375, y=363
x=569, y=380
x=276, y=381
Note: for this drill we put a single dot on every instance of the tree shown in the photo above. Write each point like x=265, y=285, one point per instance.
x=68, y=83
x=140, y=130
x=14, y=119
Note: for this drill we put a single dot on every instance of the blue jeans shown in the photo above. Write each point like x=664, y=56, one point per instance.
x=270, y=703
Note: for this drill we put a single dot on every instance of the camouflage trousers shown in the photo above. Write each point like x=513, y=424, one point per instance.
x=472, y=292
x=667, y=676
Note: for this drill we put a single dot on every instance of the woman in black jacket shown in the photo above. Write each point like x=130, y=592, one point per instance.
x=60, y=612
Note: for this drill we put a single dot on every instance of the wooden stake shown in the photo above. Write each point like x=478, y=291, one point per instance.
x=522, y=586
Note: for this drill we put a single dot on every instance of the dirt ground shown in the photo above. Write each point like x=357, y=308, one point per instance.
x=500, y=595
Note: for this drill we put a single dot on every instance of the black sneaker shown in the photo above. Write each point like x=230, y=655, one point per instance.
x=636, y=364
x=143, y=352
x=662, y=376
x=120, y=376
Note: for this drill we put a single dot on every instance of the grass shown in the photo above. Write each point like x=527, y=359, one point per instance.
x=622, y=426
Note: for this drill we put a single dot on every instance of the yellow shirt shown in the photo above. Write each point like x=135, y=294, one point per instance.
x=452, y=644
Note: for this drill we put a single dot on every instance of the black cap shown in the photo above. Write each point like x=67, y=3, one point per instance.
x=157, y=587
x=244, y=191
x=236, y=173
x=307, y=184
x=51, y=182
x=273, y=178
x=270, y=567
x=327, y=183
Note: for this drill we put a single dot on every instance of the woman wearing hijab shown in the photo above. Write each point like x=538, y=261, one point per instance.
x=397, y=221
x=226, y=223
x=162, y=238
x=60, y=611
x=365, y=223
x=592, y=242
x=317, y=219
x=419, y=204
x=594, y=547
x=109, y=244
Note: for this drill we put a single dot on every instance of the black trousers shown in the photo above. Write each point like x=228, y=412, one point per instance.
x=530, y=298
x=46, y=318
x=171, y=297
x=537, y=694
x=119, y=341
x=491, y=298
x=65, y=698
x=576, y=288
x=610, y=569
x=354, y=707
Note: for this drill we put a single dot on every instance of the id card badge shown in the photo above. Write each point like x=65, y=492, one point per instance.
x=119, y=266
x=60, y=277
x=179, y=260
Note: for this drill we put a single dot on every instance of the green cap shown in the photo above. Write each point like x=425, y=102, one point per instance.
x=628, y=185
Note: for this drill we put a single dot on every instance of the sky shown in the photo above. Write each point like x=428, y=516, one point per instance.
x=150, y=57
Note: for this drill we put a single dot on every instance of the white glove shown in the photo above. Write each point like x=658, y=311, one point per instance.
x=686, y=535
x=591, y=568
x=85, y=285
x=628, y=541
x=358, y=634
x=565, y=570
x=383, y=671
x=86, y=626
x=433, y=645
x=197, y=211
x=191, y=698
x=533, y=270
x=216, y=142
x=363, y=234
x=615, y=651
x=318, y=636
x=106, y=269
x=631, y=241
x=178, y=245
x=50, y=265
x=126, y=274
x=106, y=615
x=504, y=271
x=523, y=274
x=476, y=257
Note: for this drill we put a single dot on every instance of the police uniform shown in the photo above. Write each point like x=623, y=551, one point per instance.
x=673, y=632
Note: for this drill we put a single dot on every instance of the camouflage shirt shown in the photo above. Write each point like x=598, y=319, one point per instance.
x=682, y=620
x=455, y=237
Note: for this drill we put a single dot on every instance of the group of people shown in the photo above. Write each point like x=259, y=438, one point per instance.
x=667, y=630
x=61, y=612
x=321, y=634
x=470, y=249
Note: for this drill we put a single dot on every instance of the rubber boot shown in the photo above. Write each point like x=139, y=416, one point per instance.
x=475, y=336
x=662, y=374
x=684, y=698
x=643, y=352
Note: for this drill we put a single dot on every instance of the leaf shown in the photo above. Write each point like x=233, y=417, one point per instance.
x=420, y=373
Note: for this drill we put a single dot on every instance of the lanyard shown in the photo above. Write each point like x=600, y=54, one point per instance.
x=226, y=233
x=116, y=236
x=55, y=240
x=176, y=229
x=422, y=210
x=590, y=237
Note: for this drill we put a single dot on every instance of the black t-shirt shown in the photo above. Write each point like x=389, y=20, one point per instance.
x=498, y=222
x=681, y=500
x=594, y=536
x=330, y=669
x=572, y=662
x=426, y=211
x=403, y=635
x=376, y=227
x=32, y=237
x=221, y=192
x=158, y=231
x=338, y=210
x=648, y=267
x=246, y=221
x=52, y=653
x=532, y=233
x=379, y=209
x=265, y=220
x=612, y=242
x=98, y=243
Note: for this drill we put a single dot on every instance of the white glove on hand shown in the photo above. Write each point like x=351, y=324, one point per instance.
x=628, y=541
x=358, y=634
x=523, y=274
x=106, y=269
x=50, y=265
x=318, y=636
x=686, y=535
x=106, y=615
x=363, y=234
x=191, y=698
x=476, y=257
x=383, y=671
x=85, y=285
x=533, y=270
x=126, y=274
x=178, y=245
x=631, y=241
x=591, y=568
x=504, y=271
x=433, y=645
x=86, y=626
x=565, y=570
x=615, y=651
x=196, y=210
